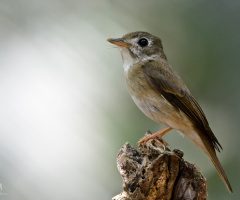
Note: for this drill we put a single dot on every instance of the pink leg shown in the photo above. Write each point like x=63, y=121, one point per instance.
x=158, y=134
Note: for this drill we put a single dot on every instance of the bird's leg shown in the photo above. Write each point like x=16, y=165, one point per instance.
x=156, y=135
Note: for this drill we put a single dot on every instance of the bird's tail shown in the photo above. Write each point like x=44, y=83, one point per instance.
x=210, y=151
x=217, y=164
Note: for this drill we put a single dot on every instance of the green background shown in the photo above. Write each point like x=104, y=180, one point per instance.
x=64, y=107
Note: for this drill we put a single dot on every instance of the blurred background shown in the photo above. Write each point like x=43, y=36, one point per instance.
x=64, y=107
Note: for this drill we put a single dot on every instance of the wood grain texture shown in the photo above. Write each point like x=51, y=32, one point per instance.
x=154, y=173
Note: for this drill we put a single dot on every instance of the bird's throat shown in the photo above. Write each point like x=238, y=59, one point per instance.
x=128, y=59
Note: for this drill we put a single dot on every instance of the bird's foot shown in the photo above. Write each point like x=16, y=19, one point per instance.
x=157, y=137
x=161, y=142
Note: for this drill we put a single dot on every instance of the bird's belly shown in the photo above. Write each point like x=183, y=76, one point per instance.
x=149, y=108
x=161, y=111
x=164, y=113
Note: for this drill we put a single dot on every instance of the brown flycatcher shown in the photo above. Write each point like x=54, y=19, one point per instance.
x=160, y=94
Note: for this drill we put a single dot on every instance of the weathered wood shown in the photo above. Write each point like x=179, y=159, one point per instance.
x=156, y=173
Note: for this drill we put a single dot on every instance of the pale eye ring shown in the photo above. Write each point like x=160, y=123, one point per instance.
x=143, y=42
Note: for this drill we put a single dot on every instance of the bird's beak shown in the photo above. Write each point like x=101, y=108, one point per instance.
x=119, y=42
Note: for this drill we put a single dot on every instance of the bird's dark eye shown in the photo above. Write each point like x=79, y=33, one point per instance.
x=143, y=42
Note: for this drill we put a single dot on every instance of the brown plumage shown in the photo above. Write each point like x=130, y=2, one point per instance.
x=162, y=95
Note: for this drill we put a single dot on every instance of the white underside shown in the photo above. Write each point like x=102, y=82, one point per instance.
x=127, y=59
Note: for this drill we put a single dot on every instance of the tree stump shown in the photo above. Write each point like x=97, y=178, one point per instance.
x=156, y=173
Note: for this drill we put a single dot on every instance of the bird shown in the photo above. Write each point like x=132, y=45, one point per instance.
x=160, y=93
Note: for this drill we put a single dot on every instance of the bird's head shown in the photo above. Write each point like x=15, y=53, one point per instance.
x=139, y=46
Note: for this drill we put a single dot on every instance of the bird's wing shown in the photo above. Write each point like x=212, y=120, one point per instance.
x=165, y=81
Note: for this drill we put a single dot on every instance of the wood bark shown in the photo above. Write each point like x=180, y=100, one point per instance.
x=156, y=173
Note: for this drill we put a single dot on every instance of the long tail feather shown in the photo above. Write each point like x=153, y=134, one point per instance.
x=220, y=170
x=210, y=151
